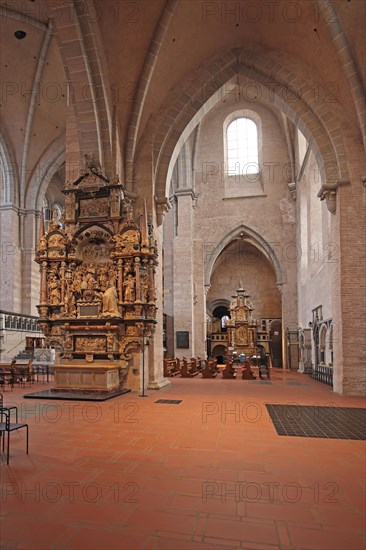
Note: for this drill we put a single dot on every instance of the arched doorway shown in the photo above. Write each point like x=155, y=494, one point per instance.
x=219, y=352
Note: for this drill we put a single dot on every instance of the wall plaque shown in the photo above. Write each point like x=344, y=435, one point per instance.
x=182, y=339
x=88, y=311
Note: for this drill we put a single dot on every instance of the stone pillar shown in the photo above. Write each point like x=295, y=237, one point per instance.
x=169, y=230
x=348, y=290
x=30, y=270
x=11, y=260
x=154, y=350
x=199, y=300
x=183, y=287
x=288, y=288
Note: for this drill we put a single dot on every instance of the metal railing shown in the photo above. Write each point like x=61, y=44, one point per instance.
x=18, y=322
x=323, y=374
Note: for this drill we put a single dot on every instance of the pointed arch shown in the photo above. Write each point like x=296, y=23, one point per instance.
x=9, y=172
x=257, y=240
x=51, y=160
x=275, y=84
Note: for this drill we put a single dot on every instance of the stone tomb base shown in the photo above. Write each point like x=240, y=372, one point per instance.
x=101, y=377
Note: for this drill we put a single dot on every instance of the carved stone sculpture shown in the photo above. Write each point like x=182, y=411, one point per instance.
x=97, y=272
x=110, y=307
x=129, y=286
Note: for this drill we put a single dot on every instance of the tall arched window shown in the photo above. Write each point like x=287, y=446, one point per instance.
x=242, y=147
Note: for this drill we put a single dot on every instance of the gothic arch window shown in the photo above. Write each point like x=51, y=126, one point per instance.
x=242, y=146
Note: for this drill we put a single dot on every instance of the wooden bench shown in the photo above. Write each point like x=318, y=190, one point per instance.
x=188, y=369
x=246, y=373
x=171, y=367
x=198, y=362
x=229, y=370
x=210, y=370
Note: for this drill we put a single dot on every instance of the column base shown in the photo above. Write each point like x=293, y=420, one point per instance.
x=158, y=384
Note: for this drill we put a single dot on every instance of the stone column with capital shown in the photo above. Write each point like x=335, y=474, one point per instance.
x=184, y=272
x=199, y=299
x=154, y=352
x=29, y=269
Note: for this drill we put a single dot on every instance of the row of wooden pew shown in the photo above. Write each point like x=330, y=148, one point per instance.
x=189, y=368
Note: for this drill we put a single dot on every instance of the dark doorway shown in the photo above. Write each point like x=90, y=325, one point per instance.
x=275, y=343
x=222, y=313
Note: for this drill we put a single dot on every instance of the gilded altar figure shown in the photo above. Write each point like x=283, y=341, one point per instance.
x=70, y=305
x=130, y=239
x=78, y=279
x=103, y=278
x=144, y=289
x=109, y=302
x=56, y=241
x=91, y=281
x=54, y=291
x=129, y=287
x=118, y=242
x=42, y=245
x=242, y=336
x=84, y=283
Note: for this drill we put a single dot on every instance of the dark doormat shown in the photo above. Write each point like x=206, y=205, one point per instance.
x=75, y=395
x=322, y=422
x=169, y=401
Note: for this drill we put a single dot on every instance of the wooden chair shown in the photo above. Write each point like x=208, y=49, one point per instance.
x=11, y=408
x=16, y=376
x=2, y=377
x=6, y=427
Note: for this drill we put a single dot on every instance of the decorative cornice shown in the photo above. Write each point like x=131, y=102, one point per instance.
x=18, y=210
x=328, y=192
x=162, y=206
x=182, y=191
x=207, y=288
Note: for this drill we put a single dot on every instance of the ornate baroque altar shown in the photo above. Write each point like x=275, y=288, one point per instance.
x=97, y=289
x=241, y=327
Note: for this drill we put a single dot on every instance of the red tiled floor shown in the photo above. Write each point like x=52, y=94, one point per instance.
x=209, y=473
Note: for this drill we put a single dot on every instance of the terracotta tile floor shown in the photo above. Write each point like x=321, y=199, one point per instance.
x=209, y=473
